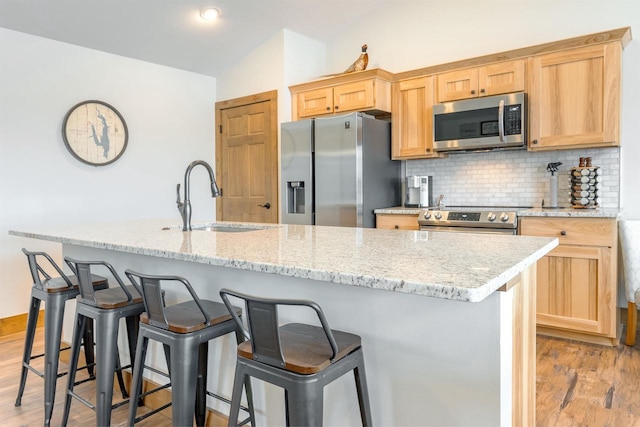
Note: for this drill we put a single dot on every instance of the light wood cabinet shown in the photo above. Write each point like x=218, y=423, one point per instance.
x=492, y=79
x=574, y=98
x=397, y=221
x=577, y=281
x=412, y=125
x=368, y=91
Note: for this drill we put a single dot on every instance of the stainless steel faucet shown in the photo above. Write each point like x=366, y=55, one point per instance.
x=185, y=207
x=439, y=204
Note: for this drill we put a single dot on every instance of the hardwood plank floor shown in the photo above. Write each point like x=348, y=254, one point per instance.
x=577, y=385
x=580, y=384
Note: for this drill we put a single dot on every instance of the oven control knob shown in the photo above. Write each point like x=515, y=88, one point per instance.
x=427, y=215
x=504, y=217
x=438, y=215
x=491, y=216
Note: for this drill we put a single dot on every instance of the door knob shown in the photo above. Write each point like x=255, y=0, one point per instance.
x=266, y=205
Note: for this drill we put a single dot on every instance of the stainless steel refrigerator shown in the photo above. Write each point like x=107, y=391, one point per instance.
x=337, y=170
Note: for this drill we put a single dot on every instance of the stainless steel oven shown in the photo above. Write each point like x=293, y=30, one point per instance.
x=484, y=220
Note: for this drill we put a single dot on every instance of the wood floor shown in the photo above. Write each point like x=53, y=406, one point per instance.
x=581, y=384
x=577, y=385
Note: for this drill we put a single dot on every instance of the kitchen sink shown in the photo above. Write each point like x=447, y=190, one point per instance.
x=223, y=228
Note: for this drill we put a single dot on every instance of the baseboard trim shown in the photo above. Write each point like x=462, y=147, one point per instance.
x=578, y=336
x=17, y=323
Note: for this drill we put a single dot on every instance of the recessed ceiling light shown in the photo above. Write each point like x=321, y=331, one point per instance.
x=210, y=13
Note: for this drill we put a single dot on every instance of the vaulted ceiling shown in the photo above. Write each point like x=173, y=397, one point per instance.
x=171, y=33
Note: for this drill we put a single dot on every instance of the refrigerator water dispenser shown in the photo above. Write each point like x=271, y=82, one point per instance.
x=295, y=197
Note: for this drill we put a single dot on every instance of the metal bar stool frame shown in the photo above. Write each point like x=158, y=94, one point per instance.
x=188, y=350
x=55, y=292
x=124, y=302
x=303, y=392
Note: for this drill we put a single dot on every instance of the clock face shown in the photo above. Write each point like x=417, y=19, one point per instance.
x=95, y=133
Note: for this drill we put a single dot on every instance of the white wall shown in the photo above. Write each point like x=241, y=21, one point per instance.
x=170, y=117
x=285, y=59
x=408, y=34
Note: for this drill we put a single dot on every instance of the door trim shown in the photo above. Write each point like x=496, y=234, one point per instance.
x=271, y=97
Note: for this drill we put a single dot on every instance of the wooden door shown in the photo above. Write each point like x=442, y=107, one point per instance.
x=575, y=98
x=412, y=125
x=459, y=84
x=247, y=159
x=503, y=77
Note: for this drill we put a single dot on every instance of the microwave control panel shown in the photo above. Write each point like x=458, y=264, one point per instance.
x=513, y=119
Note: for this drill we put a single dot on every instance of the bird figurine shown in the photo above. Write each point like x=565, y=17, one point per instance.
x=361, y=63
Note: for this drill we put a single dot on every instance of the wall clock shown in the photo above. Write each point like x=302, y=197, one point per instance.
x=95, y=133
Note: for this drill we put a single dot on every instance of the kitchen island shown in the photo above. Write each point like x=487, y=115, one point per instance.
x=447, y=320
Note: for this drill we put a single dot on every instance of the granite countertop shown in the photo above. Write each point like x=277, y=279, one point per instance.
x=542, y=212
x=571, y=212
x=463, y=267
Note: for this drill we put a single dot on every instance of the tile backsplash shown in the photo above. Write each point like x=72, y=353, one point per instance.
x=514, y=178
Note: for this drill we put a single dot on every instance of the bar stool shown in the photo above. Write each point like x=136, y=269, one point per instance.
x=300, y=358
x=106, y=308
x=186, y=328
x=54, y=291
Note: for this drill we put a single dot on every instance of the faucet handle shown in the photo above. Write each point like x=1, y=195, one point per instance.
x=178, y=202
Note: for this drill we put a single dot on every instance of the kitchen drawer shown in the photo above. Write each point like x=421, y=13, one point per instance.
x=572, y=231
x=397, y=221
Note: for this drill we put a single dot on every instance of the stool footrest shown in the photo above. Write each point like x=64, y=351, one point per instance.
x=83, y=381
x=225, y=400
x=82, y=400
x=155, y=411
x=157, y=371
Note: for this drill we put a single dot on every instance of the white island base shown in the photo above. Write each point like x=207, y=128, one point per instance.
x=429, y=361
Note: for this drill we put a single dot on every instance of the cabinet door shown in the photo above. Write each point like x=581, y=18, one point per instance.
x=412, y=129
x=353, y=96
x=460, y=84
x=315, y=102
x=574, y=290
x=503, y=77
x=397, y=221
x=575, y=98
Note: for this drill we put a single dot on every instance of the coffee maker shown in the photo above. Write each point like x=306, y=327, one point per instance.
x=417, y=191
x=412, y=192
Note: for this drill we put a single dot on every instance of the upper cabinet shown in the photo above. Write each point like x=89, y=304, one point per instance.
x=572, y=86
x=493, y=79
x=574, y=98
x=368, y=91
x=412, y=124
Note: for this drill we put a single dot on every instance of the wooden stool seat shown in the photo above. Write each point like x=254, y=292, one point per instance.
x=305, y=348
x=186, y=317
x=299, y=358
x=58, y=284
x=115, y=297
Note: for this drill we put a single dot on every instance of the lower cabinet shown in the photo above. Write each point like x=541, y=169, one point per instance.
x=397, y=221
x=577, y=281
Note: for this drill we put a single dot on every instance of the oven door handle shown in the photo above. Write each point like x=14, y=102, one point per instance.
x=501, y=121
x=477, y=230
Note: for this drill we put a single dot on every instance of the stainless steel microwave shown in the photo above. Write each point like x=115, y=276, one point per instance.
x=491, y=122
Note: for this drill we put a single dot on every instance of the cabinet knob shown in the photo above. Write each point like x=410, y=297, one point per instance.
x=481, y=90
x=473, y=92
x=336, y=107
x=328, y=108
x=397, y=227
x=563, y=233
x=535, y=141
x=428, y=150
